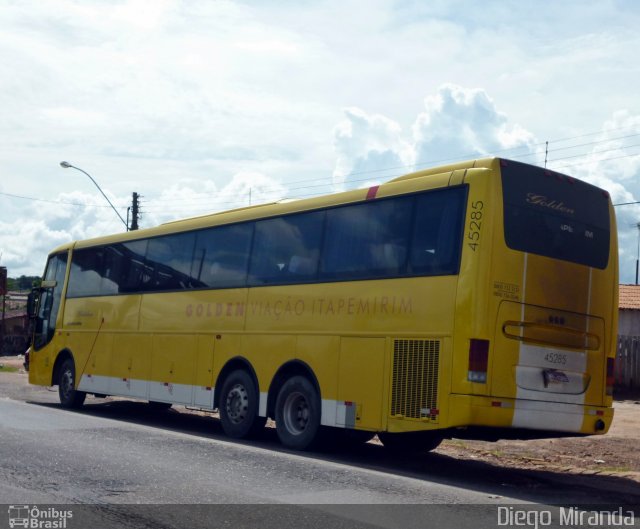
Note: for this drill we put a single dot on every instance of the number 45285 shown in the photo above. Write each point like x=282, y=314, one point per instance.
x=475, y=224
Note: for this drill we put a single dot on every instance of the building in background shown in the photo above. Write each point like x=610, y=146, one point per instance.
x=627, y=367
x=14, y=325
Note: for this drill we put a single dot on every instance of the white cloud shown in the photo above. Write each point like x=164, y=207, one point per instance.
x=457, y=123
x=461, y=122
x=189, y=198
x=365, y=145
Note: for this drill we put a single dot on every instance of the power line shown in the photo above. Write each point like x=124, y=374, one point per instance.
x=603, y=131
x=22, y=197
x=594, y=142
x=598, y=152
x=598, y=161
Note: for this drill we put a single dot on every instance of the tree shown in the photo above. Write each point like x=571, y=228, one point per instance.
x=23, y=282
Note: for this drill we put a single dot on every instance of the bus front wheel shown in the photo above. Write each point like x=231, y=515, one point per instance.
x=69, y=396
x=298, y=413
x=239, y=406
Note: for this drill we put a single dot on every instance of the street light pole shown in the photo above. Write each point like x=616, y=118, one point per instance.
x=66, y=165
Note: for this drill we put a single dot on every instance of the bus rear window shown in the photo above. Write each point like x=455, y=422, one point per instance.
x=554, y=215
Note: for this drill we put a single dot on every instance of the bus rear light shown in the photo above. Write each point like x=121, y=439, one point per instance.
x=478, y=360
x=611, y=362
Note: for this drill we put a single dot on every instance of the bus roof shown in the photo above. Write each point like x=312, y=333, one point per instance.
x=485, y=163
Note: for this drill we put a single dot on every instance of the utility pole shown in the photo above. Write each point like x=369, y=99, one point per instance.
x=638, y=255
x=3, y=293
x=546, y=153
x=135, y=211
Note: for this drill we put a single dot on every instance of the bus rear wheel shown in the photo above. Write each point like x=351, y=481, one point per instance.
x=239, y=406
x=410, y=442
x=298, y=412
x=69, y=396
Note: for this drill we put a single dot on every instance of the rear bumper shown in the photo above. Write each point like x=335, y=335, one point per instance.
x=559, y=417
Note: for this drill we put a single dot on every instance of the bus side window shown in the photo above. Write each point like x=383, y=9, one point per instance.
x=389, y=256
x=367, y=240
x=135, y=274
x=221, y=256
x=283, y=241
x=437, y=230
x=302, y=266
x=86, y=272
x=170, y=258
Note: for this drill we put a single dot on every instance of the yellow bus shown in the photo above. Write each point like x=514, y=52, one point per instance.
x=470, y=300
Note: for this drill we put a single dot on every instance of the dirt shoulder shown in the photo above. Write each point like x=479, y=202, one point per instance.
x=614, y=454
x=12, y=362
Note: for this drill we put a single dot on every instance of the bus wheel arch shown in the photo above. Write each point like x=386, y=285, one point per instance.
x=63, y=355
x=64, y=374
x=237, y=398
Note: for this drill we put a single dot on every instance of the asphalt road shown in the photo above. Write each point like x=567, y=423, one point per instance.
x=112, y=455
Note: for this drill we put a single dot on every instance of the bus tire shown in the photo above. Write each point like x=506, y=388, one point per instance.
x=410, y=442
x=239, y=406
x=69, y=396
x=298, y=411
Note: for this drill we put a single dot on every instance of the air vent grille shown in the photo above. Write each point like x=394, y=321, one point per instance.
x=414, y=391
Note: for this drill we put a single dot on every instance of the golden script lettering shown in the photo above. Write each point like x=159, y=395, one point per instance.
x=541, y=200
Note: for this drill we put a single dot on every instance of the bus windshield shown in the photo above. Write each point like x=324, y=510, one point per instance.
x=553, y=215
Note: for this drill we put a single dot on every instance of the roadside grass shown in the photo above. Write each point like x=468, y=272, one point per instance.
x=617, y=470
x=7, y=369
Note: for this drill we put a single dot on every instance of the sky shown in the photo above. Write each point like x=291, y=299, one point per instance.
x=206, y=105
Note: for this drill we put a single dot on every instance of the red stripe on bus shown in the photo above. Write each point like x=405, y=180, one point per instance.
x=372, y=192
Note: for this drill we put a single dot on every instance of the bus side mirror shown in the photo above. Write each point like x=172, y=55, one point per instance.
x=32, y=303
x=34, y=297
